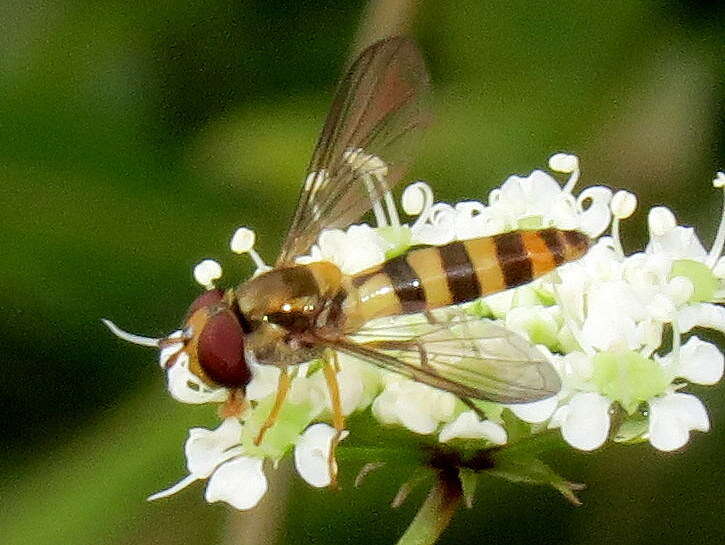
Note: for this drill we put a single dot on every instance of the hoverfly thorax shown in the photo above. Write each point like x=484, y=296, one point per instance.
x=214, y=341
x=285, y=309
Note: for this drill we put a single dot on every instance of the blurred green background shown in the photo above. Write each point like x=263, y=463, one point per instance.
x=135, y=137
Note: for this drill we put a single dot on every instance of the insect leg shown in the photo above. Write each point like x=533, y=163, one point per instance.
x=235, y=404
x=424, y=363
x=283, y=386
x=469, y=403
x=338, y=418
x=429, y=316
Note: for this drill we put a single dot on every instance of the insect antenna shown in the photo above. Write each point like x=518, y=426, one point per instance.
x=130, y=337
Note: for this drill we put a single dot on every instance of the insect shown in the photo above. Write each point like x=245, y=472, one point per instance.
x=296, y=313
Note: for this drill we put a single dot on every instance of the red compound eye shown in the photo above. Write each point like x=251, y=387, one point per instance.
x=207, y=299
x=220, y=350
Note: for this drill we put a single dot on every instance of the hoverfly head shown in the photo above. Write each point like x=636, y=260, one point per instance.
x=212, y=338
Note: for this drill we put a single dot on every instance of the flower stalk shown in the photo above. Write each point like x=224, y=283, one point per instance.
x=436, y=512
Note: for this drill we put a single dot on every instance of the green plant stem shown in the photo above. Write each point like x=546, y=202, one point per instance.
x=435, y=513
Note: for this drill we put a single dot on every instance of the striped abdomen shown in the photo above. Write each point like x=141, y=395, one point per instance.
x=430, y=277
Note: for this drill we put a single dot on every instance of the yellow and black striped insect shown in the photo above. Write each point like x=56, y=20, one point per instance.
x=296, y=313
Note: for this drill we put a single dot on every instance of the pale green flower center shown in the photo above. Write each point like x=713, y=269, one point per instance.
x=398, y=238
x=280, y=438
x=701, y=276
x=531, y=222
x=542, y=332
x=628, y=377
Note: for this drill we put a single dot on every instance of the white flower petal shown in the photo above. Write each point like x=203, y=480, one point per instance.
x=474, y=220
x=680, y=290
x=647, y=273
x=314, y=391
x=719, y=268
x=661, y=220
x=469, y=426
x=170, y=349
x=527, y=318
x=206, y=272
x=416, y=197
x=662, y=308
x=535, y=195
x=563, y=213
x=351, y=389
x=264, y=381
x=241, y=483
x=702, y=315
x=575, y=369
x=206, y=449
x=418, y=407
x=356, y=249
x=185, y=386
x=436, y=228
x=623, y=204
x=649, y=333
x=311, y=391
x=183, y=483
x=606, y=331
x=535, y=412
x=364, y=249
x=701, y=362
x=563, y=162
x=242, y=241
x=671, y=419
x=586, y=423
x=613, y=311
x=312, y=454
x=595, y=220
x=500, y=303
x=677, y=243
x=596, y=217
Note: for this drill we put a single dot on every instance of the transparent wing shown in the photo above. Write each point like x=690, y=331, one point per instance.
x=467, y=356
x=366, y=142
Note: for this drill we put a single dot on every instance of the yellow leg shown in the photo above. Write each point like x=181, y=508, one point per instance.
x=338, y=418
x=283, y=386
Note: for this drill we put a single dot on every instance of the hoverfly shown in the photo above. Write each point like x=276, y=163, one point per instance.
x=296, y=313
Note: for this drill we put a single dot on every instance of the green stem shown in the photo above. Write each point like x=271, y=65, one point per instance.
x=435, y=513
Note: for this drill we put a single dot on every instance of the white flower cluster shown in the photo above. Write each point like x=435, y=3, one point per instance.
x=601, y=322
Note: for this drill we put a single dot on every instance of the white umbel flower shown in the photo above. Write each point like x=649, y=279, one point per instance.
x=234, y=478
x=353, y=250
x=205, y=451
x=600, y=322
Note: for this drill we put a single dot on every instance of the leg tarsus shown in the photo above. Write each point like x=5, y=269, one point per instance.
x=283, y=386
x=330, y=367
